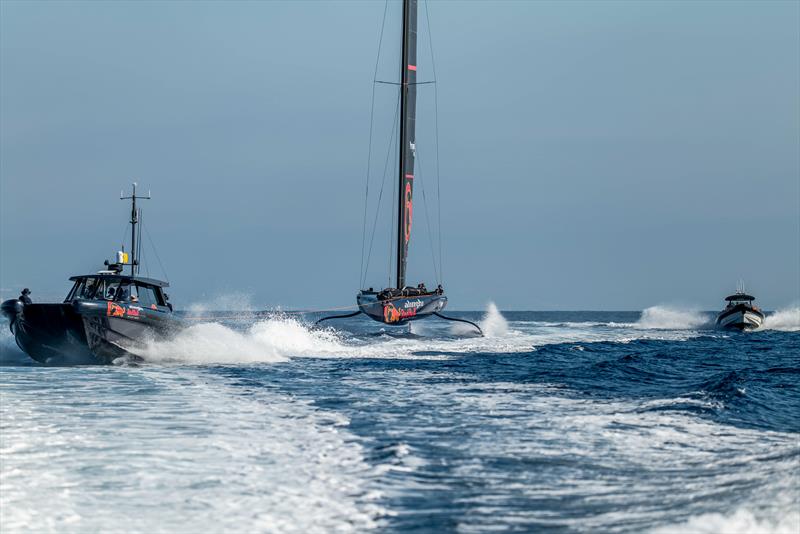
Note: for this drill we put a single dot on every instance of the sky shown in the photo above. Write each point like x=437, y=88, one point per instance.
x=592, y=155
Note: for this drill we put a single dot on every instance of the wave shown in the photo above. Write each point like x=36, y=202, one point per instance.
x=670, y=318
x=787, y=320
x=266, y=341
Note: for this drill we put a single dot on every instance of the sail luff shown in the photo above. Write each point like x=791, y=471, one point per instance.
x=408, y=111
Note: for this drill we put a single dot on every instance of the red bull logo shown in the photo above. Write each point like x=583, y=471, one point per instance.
x=115, y=310
x=391, y=314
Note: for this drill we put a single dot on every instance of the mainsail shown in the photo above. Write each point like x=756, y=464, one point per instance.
x=408, y=113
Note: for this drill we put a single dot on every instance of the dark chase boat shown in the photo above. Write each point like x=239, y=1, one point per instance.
x=402, y=303
x=740, y=312
x=104, y=315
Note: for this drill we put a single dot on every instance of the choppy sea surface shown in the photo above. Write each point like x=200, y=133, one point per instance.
x=554, y=422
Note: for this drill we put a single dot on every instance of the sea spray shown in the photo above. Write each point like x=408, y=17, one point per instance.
x=275, y=339
x=786, y=320
x=493, y=324
x=671, y=318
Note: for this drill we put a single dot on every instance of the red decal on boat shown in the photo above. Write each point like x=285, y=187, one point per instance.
x=390, y=313
x=412, y=67
x=133, y=312
x=114, y=310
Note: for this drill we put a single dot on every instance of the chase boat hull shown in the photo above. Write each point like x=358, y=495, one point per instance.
x=740, y=318
x=82, y=331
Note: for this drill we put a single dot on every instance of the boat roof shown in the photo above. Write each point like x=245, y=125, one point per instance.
x=740, y=296
x=127, y=278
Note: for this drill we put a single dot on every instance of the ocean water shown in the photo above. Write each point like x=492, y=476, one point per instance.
x=554, y=422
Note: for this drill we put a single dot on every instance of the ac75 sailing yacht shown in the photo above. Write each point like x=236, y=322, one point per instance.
x=403, y=303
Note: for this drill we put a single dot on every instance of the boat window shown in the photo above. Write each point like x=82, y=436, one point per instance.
x=73, y=291
x=87, y=289
x=123, y=292
x=102, y=290
x=147, y=296
x=110, y=291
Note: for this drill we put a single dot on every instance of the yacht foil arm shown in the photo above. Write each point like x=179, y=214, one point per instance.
x=345, y=316
x=446, y=318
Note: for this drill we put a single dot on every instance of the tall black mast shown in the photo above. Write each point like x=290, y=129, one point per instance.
x=408, y=112
x=134, y=222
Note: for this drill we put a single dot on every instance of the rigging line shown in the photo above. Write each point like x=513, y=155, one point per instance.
x=383, y=184
x=139, y=236
x=369, y=151
x=436, y=128
x=143, y=250
x=362, y=276
x=427, y=217
x=155, y=251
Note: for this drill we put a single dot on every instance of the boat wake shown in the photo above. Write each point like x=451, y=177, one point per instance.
x=672, y=318
x=787, y=320
x=248, y=339
x=271, y=340
x=786, y=521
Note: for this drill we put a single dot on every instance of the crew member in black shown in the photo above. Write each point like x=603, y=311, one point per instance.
x=24, y=298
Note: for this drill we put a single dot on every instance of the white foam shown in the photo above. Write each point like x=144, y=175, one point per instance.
x=671, y=318
x=742, y=521
x=271, y=340
x=493, y=324
x=787, y=320
x=158, y=451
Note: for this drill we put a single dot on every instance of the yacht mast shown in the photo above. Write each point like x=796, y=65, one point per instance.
x=408, y=112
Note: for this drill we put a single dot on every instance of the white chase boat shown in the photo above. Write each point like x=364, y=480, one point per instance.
x=740, y=313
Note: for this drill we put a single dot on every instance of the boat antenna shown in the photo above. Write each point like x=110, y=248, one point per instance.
x=134, y=222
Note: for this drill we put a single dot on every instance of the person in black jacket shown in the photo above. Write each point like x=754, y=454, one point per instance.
x=24, y=298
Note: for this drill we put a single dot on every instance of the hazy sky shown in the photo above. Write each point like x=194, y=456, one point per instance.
x=597, y=155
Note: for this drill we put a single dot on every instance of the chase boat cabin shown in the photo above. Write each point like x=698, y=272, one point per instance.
x=122, y=289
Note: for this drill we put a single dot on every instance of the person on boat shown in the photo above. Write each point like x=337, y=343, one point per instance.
x=122, y=293
x=24, y=298
x=90, y=290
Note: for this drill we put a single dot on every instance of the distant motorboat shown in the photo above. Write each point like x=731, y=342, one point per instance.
x=740, y=313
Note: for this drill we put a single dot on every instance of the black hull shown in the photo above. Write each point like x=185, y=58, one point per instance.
x=400, y=310
x=84, y=332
